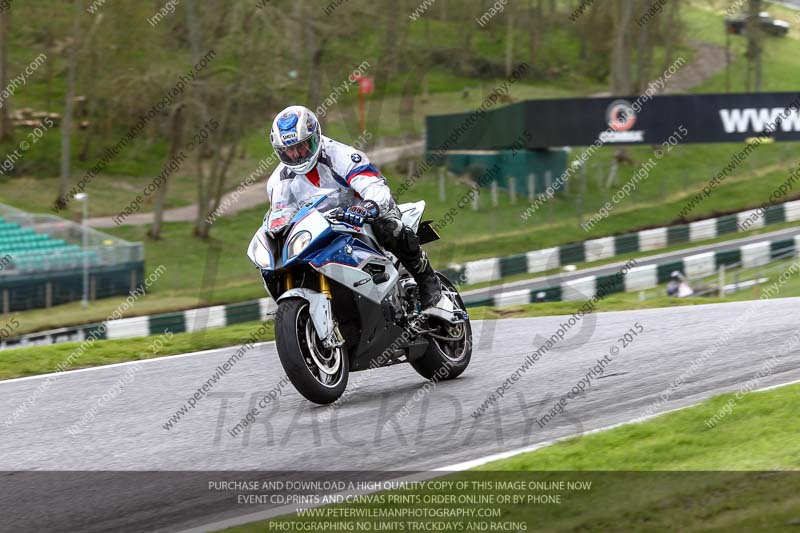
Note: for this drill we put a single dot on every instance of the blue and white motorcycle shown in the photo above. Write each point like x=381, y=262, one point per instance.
x=346, y=305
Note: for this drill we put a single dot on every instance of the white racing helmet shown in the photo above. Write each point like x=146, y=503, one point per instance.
x=296, y=137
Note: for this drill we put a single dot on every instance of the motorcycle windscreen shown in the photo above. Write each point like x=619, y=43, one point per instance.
x=284, y=207
x=323, y=200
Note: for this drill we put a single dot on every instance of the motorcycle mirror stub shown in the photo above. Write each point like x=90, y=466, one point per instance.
x=381, y=277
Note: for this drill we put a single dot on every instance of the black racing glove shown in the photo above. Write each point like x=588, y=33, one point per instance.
x=357, y=214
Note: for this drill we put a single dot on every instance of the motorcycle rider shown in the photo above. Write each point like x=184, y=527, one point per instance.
x=310, y=161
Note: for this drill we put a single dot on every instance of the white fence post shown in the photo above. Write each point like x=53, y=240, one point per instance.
x=442, y=185
x=531, y=187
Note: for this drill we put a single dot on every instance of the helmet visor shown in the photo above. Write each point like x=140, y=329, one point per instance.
x=298, y=153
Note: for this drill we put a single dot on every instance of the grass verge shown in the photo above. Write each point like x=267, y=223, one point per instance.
x=21, y=362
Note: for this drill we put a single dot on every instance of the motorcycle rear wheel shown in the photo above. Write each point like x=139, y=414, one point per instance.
x=320, y=374
x=447, y=360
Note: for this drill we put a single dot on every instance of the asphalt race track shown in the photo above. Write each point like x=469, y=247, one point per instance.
x=370, y=431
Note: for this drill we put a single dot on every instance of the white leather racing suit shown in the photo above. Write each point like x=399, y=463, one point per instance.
x=349, y=172
x=339, y=167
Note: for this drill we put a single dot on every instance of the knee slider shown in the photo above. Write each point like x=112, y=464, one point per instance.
x=383, y=230
x=409, y=240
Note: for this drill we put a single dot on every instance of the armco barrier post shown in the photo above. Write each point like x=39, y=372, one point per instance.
x=512, y=189
x=494, y=193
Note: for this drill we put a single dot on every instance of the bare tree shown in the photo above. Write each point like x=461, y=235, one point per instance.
x=176, y=137
x=535, y=25
x=671, y=34
x=69, y=100
x=230, y=92
x=6, y=130
x=644, y=53
x=91, y=93
x=754, y=44
x=621, y=54
x=509, y=43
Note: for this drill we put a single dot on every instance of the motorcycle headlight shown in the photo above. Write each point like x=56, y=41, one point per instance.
x=298, y=243
x=262, y=258
x=258, y=252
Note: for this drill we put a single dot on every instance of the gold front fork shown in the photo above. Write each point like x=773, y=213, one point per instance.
x=324, y=287
x=288, y=281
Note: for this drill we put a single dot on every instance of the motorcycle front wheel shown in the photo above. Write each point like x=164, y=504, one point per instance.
x=318, y=373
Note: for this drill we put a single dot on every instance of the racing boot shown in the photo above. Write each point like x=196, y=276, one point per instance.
x=433, y=302
x=404, y=244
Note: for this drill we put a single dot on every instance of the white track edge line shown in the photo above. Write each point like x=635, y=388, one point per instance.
x=438, y=472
